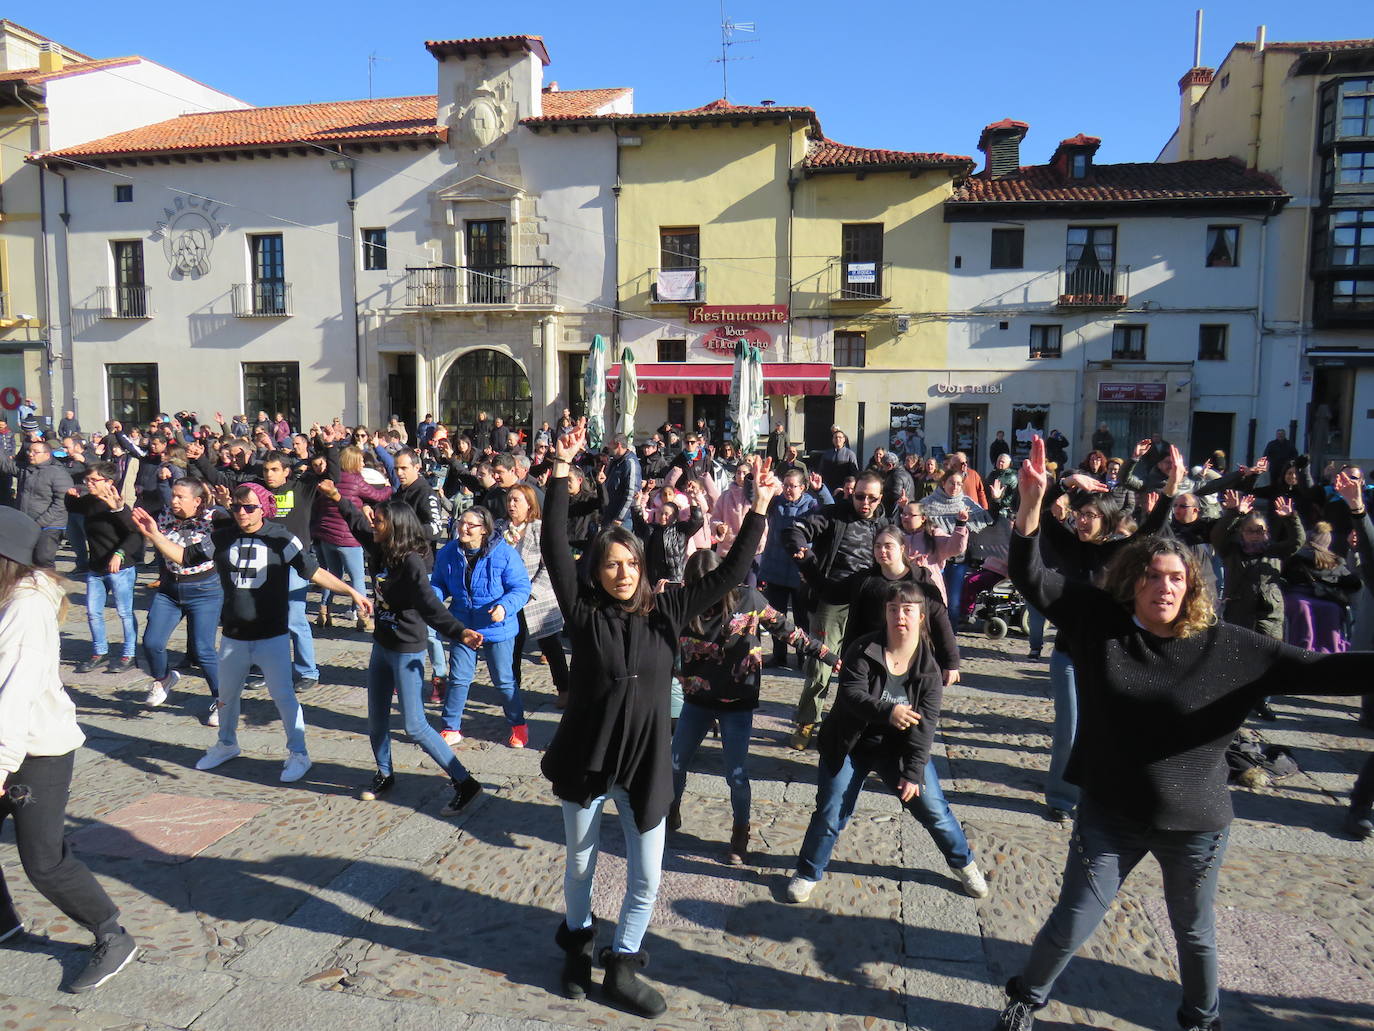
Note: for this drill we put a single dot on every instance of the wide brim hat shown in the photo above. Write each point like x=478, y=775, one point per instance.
x=18, y=536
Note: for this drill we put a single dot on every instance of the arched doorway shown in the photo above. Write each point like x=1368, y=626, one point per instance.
x=485, y=381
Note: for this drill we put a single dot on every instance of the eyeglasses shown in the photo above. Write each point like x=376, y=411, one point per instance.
x=1184, y=507
x=469, y=527
x=244, y=507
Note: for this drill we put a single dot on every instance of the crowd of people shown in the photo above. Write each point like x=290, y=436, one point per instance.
x=647, y=579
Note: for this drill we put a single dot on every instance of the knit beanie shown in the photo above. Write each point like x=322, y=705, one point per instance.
x=265, y=499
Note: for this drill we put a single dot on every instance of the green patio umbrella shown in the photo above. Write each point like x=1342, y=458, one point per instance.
x=594, y=384
x=627, y=396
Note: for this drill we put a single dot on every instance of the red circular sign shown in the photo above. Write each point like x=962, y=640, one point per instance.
x=10, y=398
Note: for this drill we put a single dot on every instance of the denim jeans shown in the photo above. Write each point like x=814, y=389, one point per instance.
x=298, y=627
x=76, y=537
x=200, y=602
x=1059, y=793
x=736, y=726
x=837, y=792
x=273, y=657
x=345, y=563
x=121, y=586
x=1105, y=849
x=782, y=598
x=462, y=664
x=403, y=672
x=954, y=573
x=827, y=625
x=1035, y=621
x=438, y=653
x=644, y=865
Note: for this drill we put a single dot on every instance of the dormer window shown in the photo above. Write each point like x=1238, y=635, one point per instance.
x=1073, y=158
x=1078, y=166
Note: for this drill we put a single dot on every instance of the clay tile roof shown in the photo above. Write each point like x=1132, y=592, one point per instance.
x=479, y=45
x=1005, y=123
x=1081, y=141
x=579, y=102
x=1317, y=46
x=32, y=76
x=827, y=155
x=393, y=118
x=1214, y=179
x=720, y=111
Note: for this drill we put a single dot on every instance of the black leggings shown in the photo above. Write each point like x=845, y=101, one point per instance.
x=49, y=863
x=552, y=648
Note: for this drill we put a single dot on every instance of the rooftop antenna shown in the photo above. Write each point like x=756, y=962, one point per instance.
x=372, y=60
x=1197, y=40
x=728, y=29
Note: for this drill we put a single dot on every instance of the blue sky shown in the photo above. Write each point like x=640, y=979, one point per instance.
x=913, y=75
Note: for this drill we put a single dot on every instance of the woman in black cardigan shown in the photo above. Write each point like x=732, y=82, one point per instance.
x=1162, y=688
x=614, y=739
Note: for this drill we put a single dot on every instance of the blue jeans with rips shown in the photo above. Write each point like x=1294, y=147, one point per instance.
x=735, y=728
x=1105, y=849
x=120, y=585
x=837, y=792
x=404, y=673
x=644, y=867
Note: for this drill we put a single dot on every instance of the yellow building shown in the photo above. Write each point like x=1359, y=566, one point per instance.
x=740, y=222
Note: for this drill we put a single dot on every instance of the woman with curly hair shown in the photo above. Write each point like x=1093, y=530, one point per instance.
x=1162, y=688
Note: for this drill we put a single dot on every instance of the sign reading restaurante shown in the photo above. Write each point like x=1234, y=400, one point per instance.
x=738, y=313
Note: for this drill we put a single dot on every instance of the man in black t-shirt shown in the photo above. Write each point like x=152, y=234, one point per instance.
x=254, y=559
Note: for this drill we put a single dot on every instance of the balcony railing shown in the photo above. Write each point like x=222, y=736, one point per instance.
x=481, y=286
x=1094, y=286
x=125, y=302
x=263, y=299
x=860, y=280
x=677, y=285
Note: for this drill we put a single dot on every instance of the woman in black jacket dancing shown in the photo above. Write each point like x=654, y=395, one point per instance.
x=614, y=739
x=1162, y=688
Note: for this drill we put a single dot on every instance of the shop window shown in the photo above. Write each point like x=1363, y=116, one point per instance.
x=273, y=387
x=131, y=392
x=1027, y=421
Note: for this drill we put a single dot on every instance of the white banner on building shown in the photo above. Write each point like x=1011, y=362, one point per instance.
x=677, y=284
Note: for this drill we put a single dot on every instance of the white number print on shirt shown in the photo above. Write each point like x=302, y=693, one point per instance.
x=248, y=562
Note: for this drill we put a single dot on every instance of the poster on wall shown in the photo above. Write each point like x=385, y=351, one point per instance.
x=907, y=428
x=1027, y=421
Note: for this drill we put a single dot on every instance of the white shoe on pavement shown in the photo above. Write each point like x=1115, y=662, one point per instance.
x=159, y=690
x=217, y=755
x=295, y=767
x=972, y=880
x=212, y=717
x=799, y=888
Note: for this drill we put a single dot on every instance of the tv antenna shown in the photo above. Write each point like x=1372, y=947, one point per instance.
x=372, y=60
x=728, y=29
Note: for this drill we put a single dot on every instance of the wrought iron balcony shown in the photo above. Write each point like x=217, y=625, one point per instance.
x=677, y=285
x=481, y=286
x=125, y=302
x=1094, y=286
x=263, y=299
x=860, y=280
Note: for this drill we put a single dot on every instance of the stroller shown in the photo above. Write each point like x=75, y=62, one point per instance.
x=1000, y=607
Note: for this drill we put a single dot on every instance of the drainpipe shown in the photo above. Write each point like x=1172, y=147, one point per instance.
x=792, y=183
x=615, y=251
x=360, y=397
x=1259, y=343
x=1257, y=112
x=46, y=298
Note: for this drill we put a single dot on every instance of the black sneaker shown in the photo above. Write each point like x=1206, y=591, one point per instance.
x=90, y=665
x=381, y=784
x=1359, y=822
x=462, y=794
x=1018, y=1016
x=306, y=683
x=1056, y=815
x=113, y=952
x=120, y=665
x=11, y=927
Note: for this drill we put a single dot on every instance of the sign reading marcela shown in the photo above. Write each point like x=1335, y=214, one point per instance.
x=737, y=313
x=187, y=231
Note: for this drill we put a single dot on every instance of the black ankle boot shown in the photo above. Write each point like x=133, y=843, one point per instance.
x=577, y=960
x=623, y=986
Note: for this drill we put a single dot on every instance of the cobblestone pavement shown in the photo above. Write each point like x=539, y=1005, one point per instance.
x=265, y=906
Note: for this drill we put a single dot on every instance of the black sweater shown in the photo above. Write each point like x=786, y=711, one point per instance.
x=406, y=602
x=107, y=531
x=616, y=729
x=867, y=615
x=1155, y=714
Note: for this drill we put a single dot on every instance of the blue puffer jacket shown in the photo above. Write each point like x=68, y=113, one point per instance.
x=776, y=564
x=498, y=578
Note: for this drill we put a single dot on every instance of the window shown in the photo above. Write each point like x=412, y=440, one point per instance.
x=131, y=392
x=850, y=349
x=1352, y=297
x=272, y=387
x=1223, y=243
x=488, y=262
x=1078, y=166
x=124, y=193
x=677, y=411
x=374, y=250
x=1347, y=109
x=1008, y=248
x=131, y=295
x=861, y=261
x=1046, y=341
x=679, y=247
x=672, y=350
x=1211, y=343
x=269, y=274
x=1128, y=343
x=1090, y=260
x=1351, y=239
x=1355, y=168
x=1027, y=421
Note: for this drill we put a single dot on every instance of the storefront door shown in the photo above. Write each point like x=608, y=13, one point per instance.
x=967, y=428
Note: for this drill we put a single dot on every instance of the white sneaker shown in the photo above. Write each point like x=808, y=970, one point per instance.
x=972, y=880
x=212, y=717
x=295, y=767
x=158, y=692
x=799, y=888
x=217, y=755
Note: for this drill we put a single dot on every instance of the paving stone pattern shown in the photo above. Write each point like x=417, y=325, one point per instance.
x=261, y=905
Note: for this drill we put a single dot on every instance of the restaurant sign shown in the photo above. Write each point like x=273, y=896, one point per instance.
x=723, y=338
x=737, y=313
x=1131, y=392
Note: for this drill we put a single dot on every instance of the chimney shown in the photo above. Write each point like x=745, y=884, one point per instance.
x=1073, y=158
x=50, y=58
x=552, y=87
x=1001, y=142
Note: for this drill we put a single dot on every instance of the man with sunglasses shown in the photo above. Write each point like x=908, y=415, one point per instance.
x=831, y=545
x=253, y=558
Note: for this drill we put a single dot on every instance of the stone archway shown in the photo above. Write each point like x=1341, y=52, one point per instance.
x=484, y=380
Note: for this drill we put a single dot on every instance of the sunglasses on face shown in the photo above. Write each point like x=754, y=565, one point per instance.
x=867, y=497
x=244, y=508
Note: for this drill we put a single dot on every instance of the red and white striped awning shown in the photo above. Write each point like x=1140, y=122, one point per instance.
x=779, y=378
